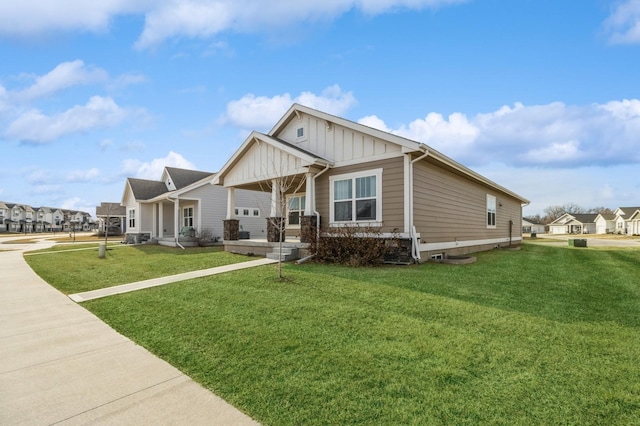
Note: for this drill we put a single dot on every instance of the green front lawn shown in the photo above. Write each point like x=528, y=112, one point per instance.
x=544, y=335
x=76, y=268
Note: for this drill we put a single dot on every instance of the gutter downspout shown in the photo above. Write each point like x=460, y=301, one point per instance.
x=175, y=230
x=314, y=206
x=415, y=249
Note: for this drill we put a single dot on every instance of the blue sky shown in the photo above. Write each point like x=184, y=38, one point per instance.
x=540, y=96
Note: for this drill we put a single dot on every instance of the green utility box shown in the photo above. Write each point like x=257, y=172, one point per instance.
x=578, y=242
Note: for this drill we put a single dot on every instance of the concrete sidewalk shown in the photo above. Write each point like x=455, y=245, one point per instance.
x=126, y=288
x=59, y=364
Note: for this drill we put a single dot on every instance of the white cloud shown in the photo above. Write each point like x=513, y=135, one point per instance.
x=83, y=175
x=65, y=75
x=36, y=127
x=551, y=135
x=153, y=169
x=29, y=18
x=251, y=112
x=375, y=122
x=186, y=18
x=623, y=25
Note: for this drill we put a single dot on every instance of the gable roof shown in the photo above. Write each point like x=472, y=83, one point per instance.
x=532, y=221
x=407, y=146
x=185, y=177
x=606, y=216
x=110, y=209
x=144, y=189
x=585, y=217
x=627, y=210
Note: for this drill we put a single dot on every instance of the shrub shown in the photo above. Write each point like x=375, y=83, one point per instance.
x=354, y=246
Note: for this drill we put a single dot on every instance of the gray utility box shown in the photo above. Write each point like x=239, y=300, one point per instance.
x=578, y=242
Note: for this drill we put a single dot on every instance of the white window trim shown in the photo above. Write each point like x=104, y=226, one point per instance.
x=193, y=215
x=373, y=172
x=251, y=210
x=129, y=218
x=493, y=199
x=288, y=197
x=304, y=133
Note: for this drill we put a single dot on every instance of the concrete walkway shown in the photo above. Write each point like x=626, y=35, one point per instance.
x=59, y=364
x=126, y=288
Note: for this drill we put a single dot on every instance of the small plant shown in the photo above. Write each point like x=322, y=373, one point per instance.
x=355, y=246
x=204, y=237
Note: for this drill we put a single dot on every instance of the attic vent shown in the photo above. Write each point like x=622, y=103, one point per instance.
x=300, y=132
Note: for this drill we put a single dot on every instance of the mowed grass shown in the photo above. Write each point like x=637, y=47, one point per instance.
x=76, y=268
x=544, y=335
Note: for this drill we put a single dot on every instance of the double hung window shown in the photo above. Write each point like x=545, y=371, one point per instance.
x=356, y=197
x=187, y=217
x=295, y=209
x=132, y=218
x=491, y=211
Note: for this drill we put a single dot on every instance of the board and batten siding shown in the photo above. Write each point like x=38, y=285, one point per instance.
x=392, y=192
x=449, y=207
x=336, y=143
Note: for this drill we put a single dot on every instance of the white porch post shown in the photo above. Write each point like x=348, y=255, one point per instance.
x=310, y=190
x=154, y=223
x=176, y=218
x=275, y=199
x=161, y=220
x=231, y=203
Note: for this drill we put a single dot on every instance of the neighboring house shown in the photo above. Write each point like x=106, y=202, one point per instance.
x=605, y=223
x=531, y=226
x=111, y=217
x=182, y=205
x=633, y=223
x=574, y=224
x=348, y=174
x=4, y=214
x=623, y=214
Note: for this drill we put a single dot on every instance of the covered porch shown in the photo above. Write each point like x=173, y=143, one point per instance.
x=289, y=175
x=176, y=222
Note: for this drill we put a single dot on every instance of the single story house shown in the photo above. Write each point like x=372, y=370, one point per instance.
x=623, y=215
x=342, y=173
x=605, y=223
x=183, y=206
x=532, y=226
x=574, y=224
x=111, y=217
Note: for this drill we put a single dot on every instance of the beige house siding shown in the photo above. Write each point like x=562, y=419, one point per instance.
x=448, y=207
x=392, y=192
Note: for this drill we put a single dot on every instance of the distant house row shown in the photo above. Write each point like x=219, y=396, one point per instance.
x=26, y=219
x=338, y=174
x=624, y=221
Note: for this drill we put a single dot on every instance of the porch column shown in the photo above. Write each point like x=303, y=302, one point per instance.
x=231, y=225
x=276, y=204
x=154, y=219
x=176, y=219
x=161, y=220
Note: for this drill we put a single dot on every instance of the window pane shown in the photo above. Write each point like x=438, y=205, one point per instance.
x=342, y=189
x=294, y=218
x=366, y=187
x=342, y=211
x=303, y=200
x=294, y=203
x=366, y=209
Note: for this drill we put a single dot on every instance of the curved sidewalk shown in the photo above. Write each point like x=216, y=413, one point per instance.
x=59, y=364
